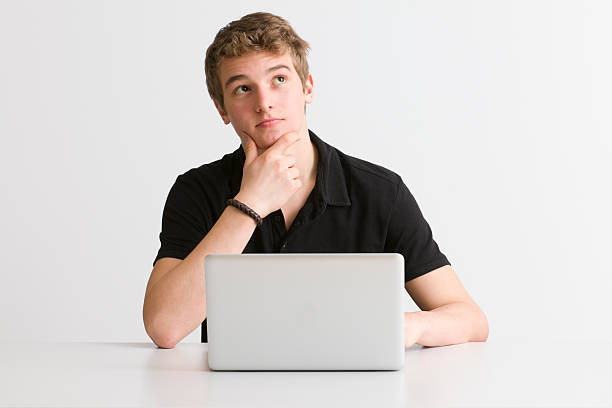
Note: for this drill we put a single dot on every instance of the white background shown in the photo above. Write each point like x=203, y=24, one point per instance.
x=495, y=113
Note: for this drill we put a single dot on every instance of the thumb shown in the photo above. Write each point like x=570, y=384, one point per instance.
x=250, y=149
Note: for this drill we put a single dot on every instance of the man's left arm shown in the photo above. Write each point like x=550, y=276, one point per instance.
x=448, y=313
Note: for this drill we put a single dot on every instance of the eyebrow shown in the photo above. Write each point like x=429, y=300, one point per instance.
x=242, y=76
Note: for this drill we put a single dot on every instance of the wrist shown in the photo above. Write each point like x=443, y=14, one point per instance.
x=250, y=203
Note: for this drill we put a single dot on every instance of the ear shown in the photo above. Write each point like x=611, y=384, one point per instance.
x=222, y=113
x=308, y=86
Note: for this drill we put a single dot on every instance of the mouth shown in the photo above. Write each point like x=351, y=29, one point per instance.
x=268, y=123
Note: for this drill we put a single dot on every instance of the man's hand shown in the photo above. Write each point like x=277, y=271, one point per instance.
x=269, y=179
x=414, y=326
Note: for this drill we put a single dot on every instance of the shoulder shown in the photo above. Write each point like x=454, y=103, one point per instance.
x=215, y=174
x=363, y=178
x=205, y=185
x=364, y=173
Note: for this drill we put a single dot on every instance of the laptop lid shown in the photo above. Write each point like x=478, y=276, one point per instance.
x=305, y=311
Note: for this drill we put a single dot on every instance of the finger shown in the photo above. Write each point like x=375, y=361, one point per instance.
x=293, y=173
x=284, y=142
x=250, y=148
x=287, y=162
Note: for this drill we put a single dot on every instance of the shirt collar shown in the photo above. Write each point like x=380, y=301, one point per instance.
x=330, y=186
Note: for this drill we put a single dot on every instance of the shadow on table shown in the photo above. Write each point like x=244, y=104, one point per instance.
x=182, y=377
x=151, y=346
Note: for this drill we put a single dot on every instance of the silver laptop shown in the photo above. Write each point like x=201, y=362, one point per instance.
x=341, y=311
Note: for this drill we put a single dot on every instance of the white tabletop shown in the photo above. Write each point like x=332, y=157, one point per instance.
x=501, y=372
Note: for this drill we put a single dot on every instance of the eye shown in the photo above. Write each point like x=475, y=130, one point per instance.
x=280, y=79
x=241, y=89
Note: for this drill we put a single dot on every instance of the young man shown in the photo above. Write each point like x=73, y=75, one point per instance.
x=292, y=192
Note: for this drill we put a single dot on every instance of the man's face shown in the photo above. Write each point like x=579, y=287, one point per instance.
x=260, y=86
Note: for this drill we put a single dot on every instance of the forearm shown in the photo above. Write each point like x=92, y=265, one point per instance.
x=454, y=323
x=176, y=304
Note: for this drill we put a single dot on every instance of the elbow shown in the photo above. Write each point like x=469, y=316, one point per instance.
x=483, y=328
x=162, y=340
x=164, y=343
x=486, y=335
x=479, y=325
x=161, y=337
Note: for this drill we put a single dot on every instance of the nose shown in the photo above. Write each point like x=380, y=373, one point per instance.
x=264, y=100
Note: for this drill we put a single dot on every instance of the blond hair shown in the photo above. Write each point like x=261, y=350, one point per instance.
x=253, y=32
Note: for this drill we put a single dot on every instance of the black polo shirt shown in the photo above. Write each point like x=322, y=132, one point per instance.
x=355, y=206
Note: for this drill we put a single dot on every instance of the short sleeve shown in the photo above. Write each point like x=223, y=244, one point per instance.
x=409, y=234
x=184, y=221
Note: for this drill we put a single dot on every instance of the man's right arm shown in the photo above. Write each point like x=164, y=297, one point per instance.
x=175, y=298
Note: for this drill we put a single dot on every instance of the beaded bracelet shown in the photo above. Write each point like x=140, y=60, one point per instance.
x=245, y=209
